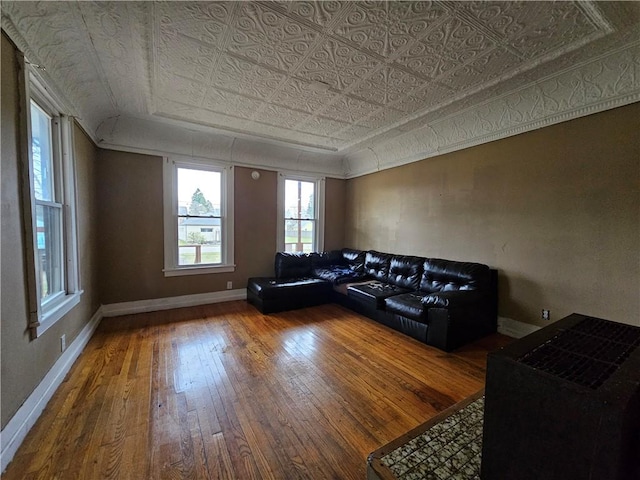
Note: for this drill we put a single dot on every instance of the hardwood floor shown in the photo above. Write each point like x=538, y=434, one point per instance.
x=223, y=392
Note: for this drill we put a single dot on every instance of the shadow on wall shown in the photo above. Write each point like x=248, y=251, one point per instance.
x=507, y=306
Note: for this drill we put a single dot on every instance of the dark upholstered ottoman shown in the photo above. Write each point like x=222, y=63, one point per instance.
x=270, y=295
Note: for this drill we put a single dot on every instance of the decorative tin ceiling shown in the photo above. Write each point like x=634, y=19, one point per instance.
x=323, y=74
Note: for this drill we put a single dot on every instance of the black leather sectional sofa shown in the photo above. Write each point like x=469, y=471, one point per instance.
x=443, y=303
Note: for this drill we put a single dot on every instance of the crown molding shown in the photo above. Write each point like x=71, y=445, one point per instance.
x=149, y=136
x=605, y=83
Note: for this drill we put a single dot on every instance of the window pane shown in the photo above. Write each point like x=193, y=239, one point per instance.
x=299, y=235
x=198, y=192
x=49, y=248
x=199, y=195
x=41, y=149
x=299, y=199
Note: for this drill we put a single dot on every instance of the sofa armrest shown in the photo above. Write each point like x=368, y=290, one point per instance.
x=457, y=317
x=452, y=299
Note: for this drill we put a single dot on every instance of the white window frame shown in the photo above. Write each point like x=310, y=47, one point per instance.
x=170, y=194
x=44, y=314
x=319, y=207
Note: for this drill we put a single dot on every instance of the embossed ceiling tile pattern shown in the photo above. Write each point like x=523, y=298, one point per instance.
x=352, y=133
x=567, y=24
x=533, y=27
x=449, y=45
x=492, y=64
x=180, y=89
x=387, y=85
x=177, y=111
x=390, y=66
x=186, y=57
x=337, y=64
x=118, y=43
x=381, y=118
x=300, y=137
x=386, y=27
x=245, y=77
x=299, y=93
x=316, y=12
x=263, y=36
x=425, y=98
x=322, y=126
x=204, y=21
x=281, y=116
x=349, y=109
x=227, y=102
x=626, y=72
x=65, y=55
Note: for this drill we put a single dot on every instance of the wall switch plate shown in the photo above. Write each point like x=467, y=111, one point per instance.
x=63, y=342
x=546, y=314
x=229, y=285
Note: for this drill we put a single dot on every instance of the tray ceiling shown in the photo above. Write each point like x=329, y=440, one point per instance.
x=332, y=76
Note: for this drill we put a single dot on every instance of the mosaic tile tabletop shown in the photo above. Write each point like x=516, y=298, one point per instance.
x=448, y=450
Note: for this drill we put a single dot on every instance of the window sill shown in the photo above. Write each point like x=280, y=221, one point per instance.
x=60, y=310
x=203, y=270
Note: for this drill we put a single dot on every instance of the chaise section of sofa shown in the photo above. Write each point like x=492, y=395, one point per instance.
x=304, y=280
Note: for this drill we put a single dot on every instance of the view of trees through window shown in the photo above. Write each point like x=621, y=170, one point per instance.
x=299, y=216
x=199, y=217
x=49, y=235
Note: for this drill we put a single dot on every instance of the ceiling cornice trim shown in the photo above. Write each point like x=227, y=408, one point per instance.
x=609, y=81
x=162, y=138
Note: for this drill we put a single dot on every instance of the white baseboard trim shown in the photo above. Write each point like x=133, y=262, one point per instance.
x=155, y=304
x=514, y=328
x=16, y=430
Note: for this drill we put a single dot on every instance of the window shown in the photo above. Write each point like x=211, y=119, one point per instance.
x=50, y=210
x=49, y=242
x=301, y=213
x=198, y=220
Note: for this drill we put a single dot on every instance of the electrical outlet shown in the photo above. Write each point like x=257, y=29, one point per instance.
x=229, y=285
x=546, y=314
x=63, y=342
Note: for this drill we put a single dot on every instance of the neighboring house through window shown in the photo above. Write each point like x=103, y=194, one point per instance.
x=301, y=213
x=50, y=209
x=198, y=217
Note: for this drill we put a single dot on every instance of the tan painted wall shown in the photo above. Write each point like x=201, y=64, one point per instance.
x=131, y=229
x=335, y=197
x=25, y=362
x=556, y=210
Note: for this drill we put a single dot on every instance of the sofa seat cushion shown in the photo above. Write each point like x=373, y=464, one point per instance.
x=338, y=274
x=374, y=292
x=269, y=288
x=408, y=305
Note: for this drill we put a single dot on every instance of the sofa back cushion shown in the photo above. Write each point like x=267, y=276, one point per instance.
x=445, y=275
x=405, y=271
x=354, y=259
x=325, y=259
x=376, y=264
x=292, y=265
